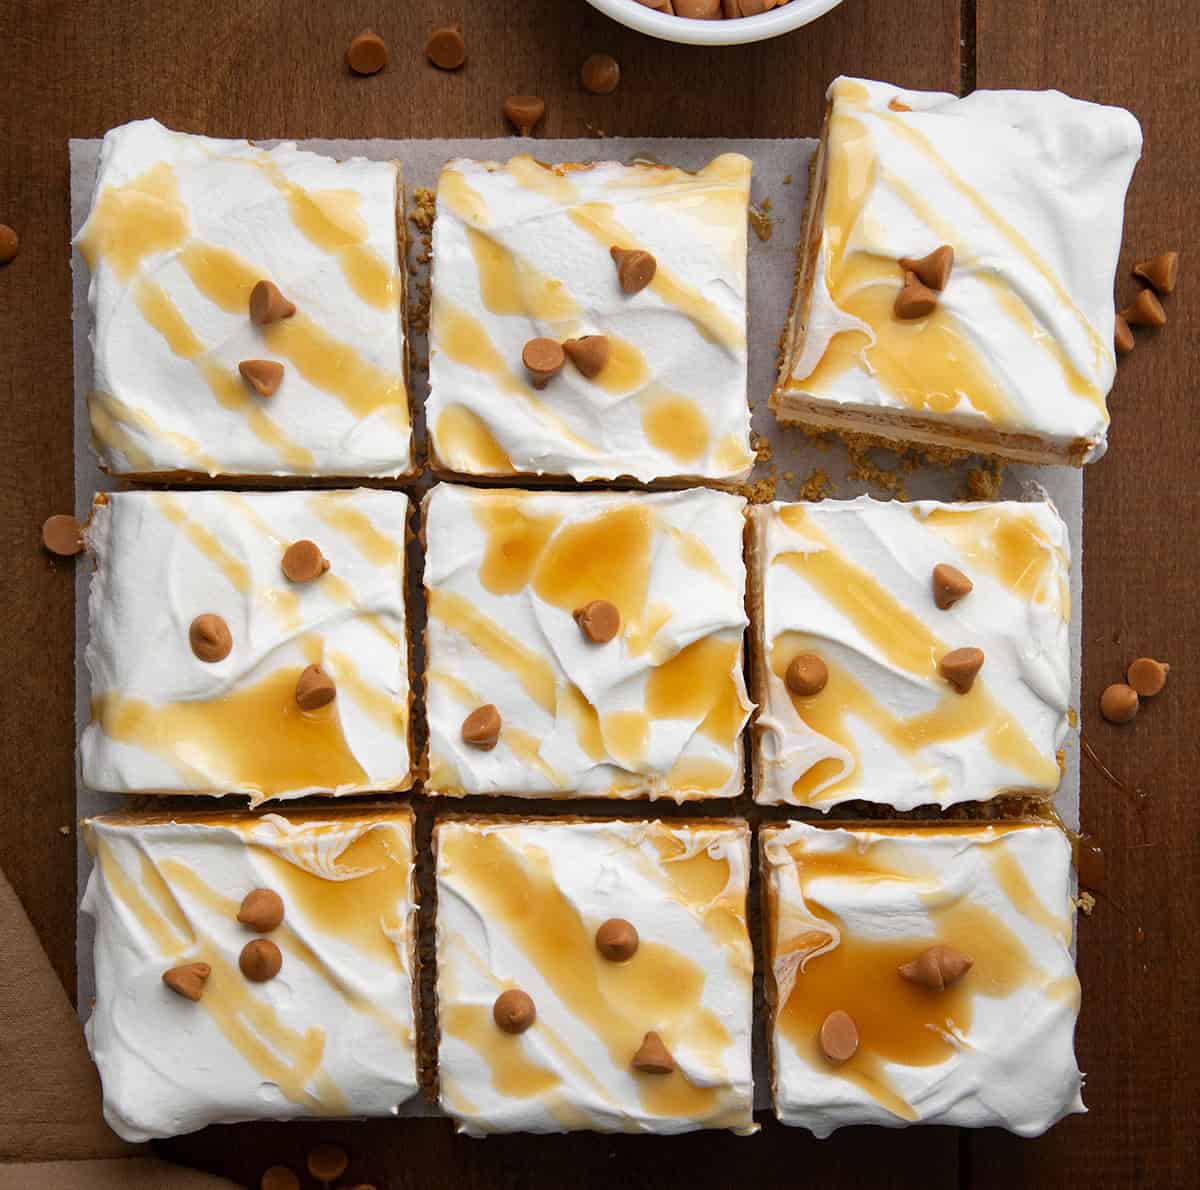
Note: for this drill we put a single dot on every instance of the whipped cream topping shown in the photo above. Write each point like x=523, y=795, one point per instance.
x=180, y=230
x=163, y=721
x=1029, y=190
x=331, y=1035
x=851, y=581
x=519, y=905
x=657, y=711
x=521, y=251
x=847, y=907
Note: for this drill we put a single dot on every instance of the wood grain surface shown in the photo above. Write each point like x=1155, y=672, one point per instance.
x=264, y=68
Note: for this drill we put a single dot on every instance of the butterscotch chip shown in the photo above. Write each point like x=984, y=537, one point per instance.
x=279, y=1177
x=698, y=10
x=524, y=112
x=960, y=666
x=446, y=47
x=589, y=354
x=262, y=375
x=1147, y=676
x=838, y=1036
x=62, y=535
x=267, y=304
x=9, y=243
x=327, y=1162
x=949, y=585
x=514, y=1011
x=652, y=1056
x=1119, y=703
x=1122, y=336
x=260, y=960
x=1162, y=271
x=599, y=620
x=600, y=74
x=314, y=689
x=188, y=980
x=806, y=675
x=303, y=561
x=937, y=967
x=261, y=910
x=617, y=940
x=635, y=268
x=932, y=270
x=1145, y=310
x=481, y=728
x=915, y=300
x=210, y=637
x=367, y=53
x=543, y=359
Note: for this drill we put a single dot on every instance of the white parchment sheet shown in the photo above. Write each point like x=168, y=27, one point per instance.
x=780, y=183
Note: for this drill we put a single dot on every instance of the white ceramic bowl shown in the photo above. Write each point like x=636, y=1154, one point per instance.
x=735, y=32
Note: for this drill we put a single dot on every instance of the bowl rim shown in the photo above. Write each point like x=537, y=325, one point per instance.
x=688, y=31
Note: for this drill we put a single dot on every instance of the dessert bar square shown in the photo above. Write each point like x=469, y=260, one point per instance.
x=921, y=975
x=585, y=644
x=1020, y=196
x=251, y=967
x=909, y=654
x=248, y=643
x=589, y=321
x=594, y=975
x=199, y=368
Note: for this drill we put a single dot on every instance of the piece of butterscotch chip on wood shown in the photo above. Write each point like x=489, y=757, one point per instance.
x=524, y=112
x=1119, y=703
x=327, y=1163
x=600, y=74
x=62, y=535
x=1147, y=676
x=1122, y=336
x=1145, y=310
x=367, y=53
x=446, y=47
x=1162, y=271
x=10, y=242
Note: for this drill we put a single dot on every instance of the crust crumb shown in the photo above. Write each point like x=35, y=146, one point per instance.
x=816, y=487
x=1086, y=903
x=984, y=482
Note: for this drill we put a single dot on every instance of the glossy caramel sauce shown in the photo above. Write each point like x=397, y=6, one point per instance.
x=515, y=537
x=464, y=443
x=675, y=425
x=510, y=285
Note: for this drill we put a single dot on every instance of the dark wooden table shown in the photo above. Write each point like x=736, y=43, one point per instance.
x=264, y=68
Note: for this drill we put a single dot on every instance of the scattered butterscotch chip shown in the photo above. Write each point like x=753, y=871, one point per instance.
x=481, y=728
x=188, y=980
x=1122, y=336
x=599, y=620
x=1145, y=310
x=960, y=666
x=617, y=940
x=543, y=360
x=263, y=375
x=314, y=689
x=9, y=243
x=1162, y=271
x=1119, y=703
x=600, y=74
x=898, y=105
x=839, y=1036
x=446, y=47
x=932, y=270
x=327, y=1163
x=267, y=304
x=303, y=561
x=261, y=910
x=260, y=960
x=367, y=53
x=514, y=1011
x=62, y=535
x=937, y=967
x=1147, y=676
x=210, y=637
x=915, y=300
x=949, y=585
x=652, y=1056
x=524, y=112
x=279, y=1177
x=806, y=675
x=589, y=354
x=635, y=268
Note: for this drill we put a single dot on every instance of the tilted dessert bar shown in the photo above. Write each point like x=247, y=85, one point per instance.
x=247, y=310
x=589, y=321
x=955, y=276
x=594, y=975
x=908, y=654
x=248, y=643
x=921, y=975
x=585, y=644
x=251, y=967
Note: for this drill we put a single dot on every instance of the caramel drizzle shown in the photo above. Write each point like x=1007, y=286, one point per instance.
x=112, y=422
